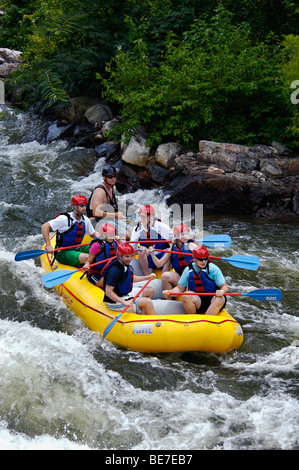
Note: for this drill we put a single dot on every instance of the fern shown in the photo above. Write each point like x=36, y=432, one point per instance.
x=65, y=24
x=51, y=88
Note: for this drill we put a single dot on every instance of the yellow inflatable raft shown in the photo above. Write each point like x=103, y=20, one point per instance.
x=170, y=330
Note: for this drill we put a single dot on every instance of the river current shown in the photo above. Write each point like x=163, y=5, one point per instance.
x=63, y=387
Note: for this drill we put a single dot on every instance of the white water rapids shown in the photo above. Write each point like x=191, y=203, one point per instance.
x=62, y=387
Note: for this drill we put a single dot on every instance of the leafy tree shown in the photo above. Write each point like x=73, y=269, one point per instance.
x=14, y=32
x=67, y=42
x=175, y=67
x=213, y=84
x=290, y=71
x=278, y=17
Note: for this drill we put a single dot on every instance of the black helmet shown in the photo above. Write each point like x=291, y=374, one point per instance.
x=109, y=170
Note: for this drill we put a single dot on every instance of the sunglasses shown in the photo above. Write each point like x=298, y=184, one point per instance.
x=202, y=259
x=82, y=205
x=111, y=176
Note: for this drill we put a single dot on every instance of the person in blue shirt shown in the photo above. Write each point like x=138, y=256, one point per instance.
x=202, y=276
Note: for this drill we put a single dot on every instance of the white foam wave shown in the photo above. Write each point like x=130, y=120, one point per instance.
x=52, y=383
x=10, y=440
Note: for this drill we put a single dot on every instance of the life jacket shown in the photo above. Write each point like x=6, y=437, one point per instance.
x=112, y=201
x=152, y=235
x=201, y=282
x=74, y=235
x=179, y=262
x=125, y=284
x=108, y=251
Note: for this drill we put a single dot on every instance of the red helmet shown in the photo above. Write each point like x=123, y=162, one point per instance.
x=108, y=229
x=78, y=199
x=125, y=249
x=200, y=252
x=146, y=210
x=180, y=228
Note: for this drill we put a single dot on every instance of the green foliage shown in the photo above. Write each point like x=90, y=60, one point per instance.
x=276, y=17
x=183, y=69
x=213, y=84
x=66, y=44
x=290, y=71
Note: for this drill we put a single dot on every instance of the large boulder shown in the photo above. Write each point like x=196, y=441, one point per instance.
x=165, y=153
x=224, y=194
x=75, y=109
x=97, y=114
x=136, y=152
x=10, y=61
x=233, y=157
x=236, y=179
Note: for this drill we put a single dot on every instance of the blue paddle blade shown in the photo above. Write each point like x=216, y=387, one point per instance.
x=244, y=262
x=111, y=324
x=53, y=278
x=265, y=294
x=217, y=241
x=22, y=255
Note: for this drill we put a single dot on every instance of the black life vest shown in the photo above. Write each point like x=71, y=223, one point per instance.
x=112, y=201
x=125, y=283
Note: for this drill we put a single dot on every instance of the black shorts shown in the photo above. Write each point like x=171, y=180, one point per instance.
x=206, y=302
x=94, y=277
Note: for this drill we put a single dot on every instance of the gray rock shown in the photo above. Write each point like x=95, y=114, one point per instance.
x=9, y=61
x=98, y=114
x=165, y=153
x=136, y=152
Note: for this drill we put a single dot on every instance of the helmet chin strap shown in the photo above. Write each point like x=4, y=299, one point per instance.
x=199, y=268
x=74, y=209
x=105, y=180
x=120, y=259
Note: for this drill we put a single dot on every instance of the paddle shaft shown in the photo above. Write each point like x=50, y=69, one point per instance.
x=258, y=294
x=67, y=247
x=181, y=253
x=99, y=262
x=138, y=293
x=112, y=323
x=201, y=293
x=149, y=240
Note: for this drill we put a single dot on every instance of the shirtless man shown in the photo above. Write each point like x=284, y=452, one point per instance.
x=104, y=195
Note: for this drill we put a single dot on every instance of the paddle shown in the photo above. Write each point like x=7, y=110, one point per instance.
x=112, y=323
x=258, y=294
x=131, y=220
x=239, y=261
x=214, y=241
x=54, y=278
x=22, y=255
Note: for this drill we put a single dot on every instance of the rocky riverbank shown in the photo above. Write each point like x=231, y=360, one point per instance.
x=258, y=181
x=227, y=178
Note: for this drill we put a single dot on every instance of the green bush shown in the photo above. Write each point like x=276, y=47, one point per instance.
x=214, y=84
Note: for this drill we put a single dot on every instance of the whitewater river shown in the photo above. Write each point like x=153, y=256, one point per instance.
x=62, y=387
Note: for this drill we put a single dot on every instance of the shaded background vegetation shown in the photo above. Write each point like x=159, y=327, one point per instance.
x=183, y=70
